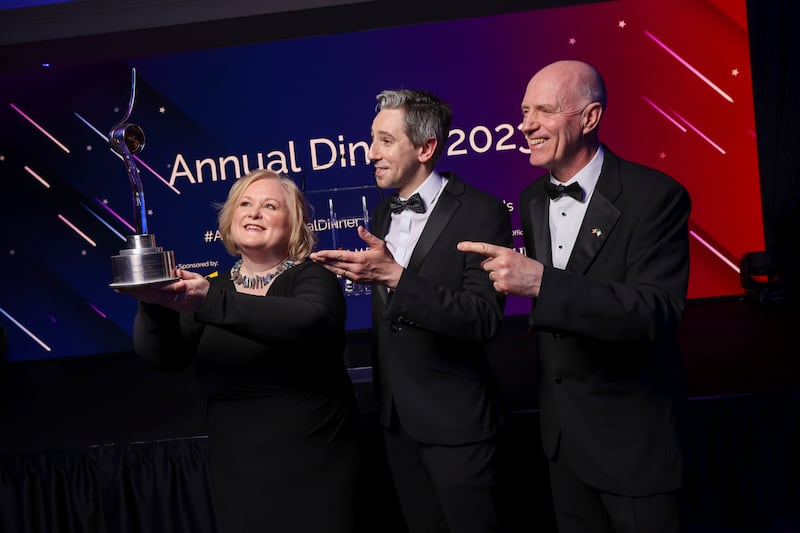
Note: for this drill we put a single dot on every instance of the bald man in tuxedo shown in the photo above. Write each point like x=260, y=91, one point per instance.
x=607, y=270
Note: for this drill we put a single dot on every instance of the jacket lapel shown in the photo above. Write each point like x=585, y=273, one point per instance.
x=380, y=224
x=445, y=208
x=540, y=221
x=601, y=216
x=599, y=221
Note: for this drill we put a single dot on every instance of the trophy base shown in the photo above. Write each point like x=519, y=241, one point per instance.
x=142, y=263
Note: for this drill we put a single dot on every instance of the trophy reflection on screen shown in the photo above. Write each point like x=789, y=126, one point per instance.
x=343, y=229
x=141, y=262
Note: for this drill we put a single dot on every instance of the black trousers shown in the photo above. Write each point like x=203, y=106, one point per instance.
x=444, y=489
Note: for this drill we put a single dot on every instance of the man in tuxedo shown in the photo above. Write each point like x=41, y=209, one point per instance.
x=433, y=310
x=608, y=268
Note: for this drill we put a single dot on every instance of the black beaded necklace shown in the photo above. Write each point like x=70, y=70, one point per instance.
x=256, y=281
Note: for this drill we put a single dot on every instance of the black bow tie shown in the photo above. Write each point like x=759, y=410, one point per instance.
x=414, y=203
x=556, y=191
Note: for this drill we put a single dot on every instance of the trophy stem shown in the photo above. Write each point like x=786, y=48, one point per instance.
x=139, y=209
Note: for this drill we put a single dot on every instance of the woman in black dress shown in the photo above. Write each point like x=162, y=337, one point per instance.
x=267, y=344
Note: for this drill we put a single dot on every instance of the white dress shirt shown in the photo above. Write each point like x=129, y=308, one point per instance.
x=566, y=213
x=406, y=226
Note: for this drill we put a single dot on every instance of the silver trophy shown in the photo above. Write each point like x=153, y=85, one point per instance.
x=141, y=262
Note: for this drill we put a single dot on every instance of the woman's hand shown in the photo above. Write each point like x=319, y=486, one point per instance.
x=185, y=295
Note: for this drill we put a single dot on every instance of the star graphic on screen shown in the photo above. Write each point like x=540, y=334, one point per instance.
x=572, y=40
x=105, y=201
x=12, y=252
x=88, y=147
x=162, y=109
x=621, y=24
x=116, y=109
x=83, y=252
x=662, y=155
x=735, y=72
x=2, y=157
x=150, y=212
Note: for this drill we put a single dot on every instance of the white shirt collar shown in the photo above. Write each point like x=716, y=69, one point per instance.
x=587, y=176
x=430, y=189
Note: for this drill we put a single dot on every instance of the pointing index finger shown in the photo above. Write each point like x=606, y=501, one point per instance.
x=330, y=255
x=483, y=248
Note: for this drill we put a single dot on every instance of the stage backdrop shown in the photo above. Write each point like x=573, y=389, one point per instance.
x=680, y=100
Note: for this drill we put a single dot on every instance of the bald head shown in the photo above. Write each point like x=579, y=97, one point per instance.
x=575, y=80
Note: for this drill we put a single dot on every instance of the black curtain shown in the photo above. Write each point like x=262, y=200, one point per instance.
x=775, y=58
x=116, y=488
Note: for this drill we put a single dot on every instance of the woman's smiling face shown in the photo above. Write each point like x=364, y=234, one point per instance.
x=261, y=220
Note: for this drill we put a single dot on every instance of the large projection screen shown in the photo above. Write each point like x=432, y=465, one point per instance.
x=680, y=100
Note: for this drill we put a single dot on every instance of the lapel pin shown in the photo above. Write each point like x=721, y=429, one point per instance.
x=597, y=232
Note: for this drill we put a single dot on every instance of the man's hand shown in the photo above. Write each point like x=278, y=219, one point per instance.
x=375, y=266
x=510, y=271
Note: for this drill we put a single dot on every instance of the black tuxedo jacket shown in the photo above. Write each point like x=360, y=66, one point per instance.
x=429, y=361
x=606, y=329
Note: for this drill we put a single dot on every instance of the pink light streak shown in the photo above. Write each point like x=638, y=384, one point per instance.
x=30, y=171
x=118, y=217
x=701, y=134
x=96, y=310
x=654, y=106
x=714, y=251
x=690, y=67
x=76, y=230
x=38, y=127
x=156, y=174
x=26, y=331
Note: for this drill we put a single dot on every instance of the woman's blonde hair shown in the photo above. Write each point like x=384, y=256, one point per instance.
x=301, y=237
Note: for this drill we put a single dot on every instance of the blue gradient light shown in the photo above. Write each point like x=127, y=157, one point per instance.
x=15, y=4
